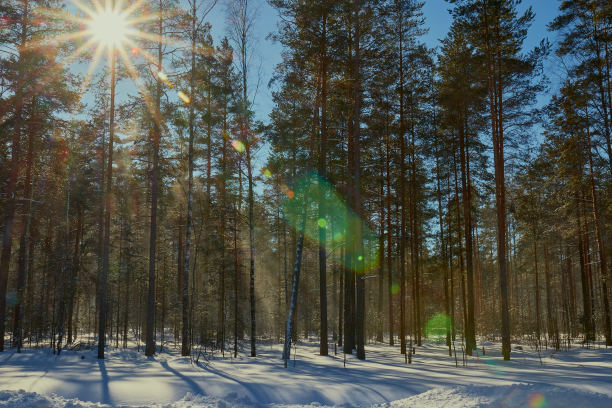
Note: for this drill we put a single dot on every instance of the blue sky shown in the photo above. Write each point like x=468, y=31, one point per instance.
x=268, y=54
x=437, y=20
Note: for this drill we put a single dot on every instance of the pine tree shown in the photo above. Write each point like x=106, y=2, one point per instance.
x=497, y=32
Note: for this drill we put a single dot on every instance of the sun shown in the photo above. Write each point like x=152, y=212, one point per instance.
x=109, y=28
x=111, y=31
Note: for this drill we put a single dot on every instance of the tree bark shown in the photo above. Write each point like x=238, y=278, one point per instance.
x=150, y=335
x=22, y=270
x=103, y=279
x=467, y=224
x=323, y=349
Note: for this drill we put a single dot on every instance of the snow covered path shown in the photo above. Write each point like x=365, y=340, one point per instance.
x=575, y=378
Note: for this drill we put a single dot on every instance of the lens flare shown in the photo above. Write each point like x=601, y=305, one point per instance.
x=435, y=328
x=537, y=401
x=238, y=146
x=347, y=230
x=394, y=289
x=493, y=365
x=184, y=97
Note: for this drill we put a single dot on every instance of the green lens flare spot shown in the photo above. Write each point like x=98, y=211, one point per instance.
x=436, y=326
x=313, y=204
x=537, y=401
x=238, y=146
x=395, y=288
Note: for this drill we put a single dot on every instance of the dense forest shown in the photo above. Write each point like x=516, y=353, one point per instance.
x=395, y=193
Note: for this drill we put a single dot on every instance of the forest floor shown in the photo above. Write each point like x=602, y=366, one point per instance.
x=126, y=378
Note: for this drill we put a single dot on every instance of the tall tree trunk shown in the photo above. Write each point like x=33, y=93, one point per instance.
x=356, y=174
x=450, y=262
x=586, y=292
x=252, y=253
x=537, y=291
x=467, y=223
x=414, y=231
x=402, y=232
x=443, y=254
x=600, y=231
x=294, y=290
x=460, y=247
x=23, y=244
x=103, y=279
x=389, y=238
x=150, y=335
x=323, y=349
x=128, y=293
x=495, y=90
x=73, y=284
x=11, y=188
x=236, y=281
x=7, y=233
x=186, y=327
x=381, y=256
x=551, y=320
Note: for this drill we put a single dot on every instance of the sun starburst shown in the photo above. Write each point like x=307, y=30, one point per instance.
x=109, y=27
x=102, y=31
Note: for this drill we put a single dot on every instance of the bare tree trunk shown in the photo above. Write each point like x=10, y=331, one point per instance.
x=450, y=262
x=11, y=189
x=402, y=232
x=186, y=327
x=150, y=335
x=7, y=236
x=389, y=238
x=460, y=248
x=444, y=256
x=551, y=319
x=236, y=283
x=467, y=223
x=242, y=21
x=356, y=174
x=381, y=258
x=537, y=291
x=600, y=231
x=586, y=292
x=23, y=255
x=323, y=350
x=103, y=279
x=126, y=300
x=73, y=284
x=493, y=66
x=294, y=290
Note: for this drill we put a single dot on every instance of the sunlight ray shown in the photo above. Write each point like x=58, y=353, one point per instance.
x=165, y=39
x=81, y=6
x=92, y=66
x=58, y=39
x=148, y=99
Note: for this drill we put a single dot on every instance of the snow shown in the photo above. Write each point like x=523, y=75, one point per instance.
x=37, y=378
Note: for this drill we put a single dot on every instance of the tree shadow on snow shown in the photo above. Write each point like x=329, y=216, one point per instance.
x=192, y=384
x=106, y=399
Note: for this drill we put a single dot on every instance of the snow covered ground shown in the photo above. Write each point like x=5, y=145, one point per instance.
x=37, y=378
